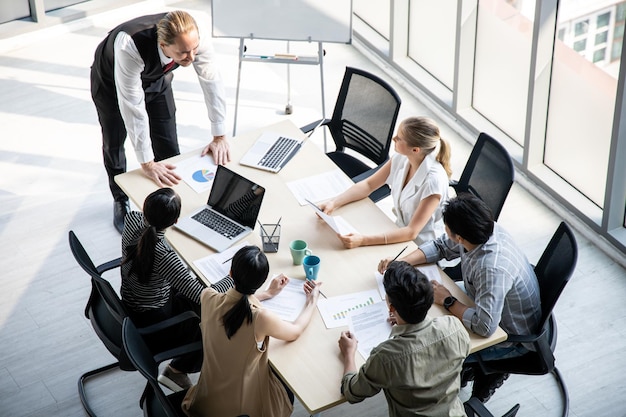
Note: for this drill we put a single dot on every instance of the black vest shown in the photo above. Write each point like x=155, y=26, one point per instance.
x=143, y=31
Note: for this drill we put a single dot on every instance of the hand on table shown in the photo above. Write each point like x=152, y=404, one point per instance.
x=312, y=291
x=328, y=207
x=382, y=265
x=351, y=240
x=440, y=292
x=347, y=344
x=276, y=285
x=220, y=149
x=161, y=173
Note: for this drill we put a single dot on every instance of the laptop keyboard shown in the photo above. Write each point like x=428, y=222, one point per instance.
x=218, y=223
x=274, y=156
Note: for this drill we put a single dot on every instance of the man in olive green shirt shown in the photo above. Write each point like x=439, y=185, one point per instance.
x=418, y=367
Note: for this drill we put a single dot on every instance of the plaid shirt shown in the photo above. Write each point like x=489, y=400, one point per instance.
x=500, y=280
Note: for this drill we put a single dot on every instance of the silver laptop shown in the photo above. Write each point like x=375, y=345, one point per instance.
x=229, y=215
x=271, y=152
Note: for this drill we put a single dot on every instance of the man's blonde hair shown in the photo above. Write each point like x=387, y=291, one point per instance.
x=174, y=24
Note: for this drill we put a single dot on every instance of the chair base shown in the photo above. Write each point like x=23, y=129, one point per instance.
x=564, y=394
x=81, y=385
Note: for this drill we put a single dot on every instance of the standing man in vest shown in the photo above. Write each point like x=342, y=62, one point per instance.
x=131, y=87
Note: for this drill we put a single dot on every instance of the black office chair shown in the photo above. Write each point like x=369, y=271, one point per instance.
x=488, y=174
x=363, y=120
x=475, y=408
x=106, y=313
x=554, y=269
x=154, y=401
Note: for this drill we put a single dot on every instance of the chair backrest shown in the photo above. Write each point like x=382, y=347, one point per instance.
x=104, y=308
x=156, y=403
x=365, y=115
x=555, y=268
x=488, y=173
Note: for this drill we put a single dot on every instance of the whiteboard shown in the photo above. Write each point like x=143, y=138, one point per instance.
x=291, y=20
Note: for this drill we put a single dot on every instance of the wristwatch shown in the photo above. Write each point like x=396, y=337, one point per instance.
x=448, y=301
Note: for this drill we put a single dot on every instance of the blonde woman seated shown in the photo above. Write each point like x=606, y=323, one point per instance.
x=419, y=186
x=236, y=377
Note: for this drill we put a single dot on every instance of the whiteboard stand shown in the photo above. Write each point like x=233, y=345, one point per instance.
x=282, y=59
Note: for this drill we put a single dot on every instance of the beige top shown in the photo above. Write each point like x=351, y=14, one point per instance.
x=236, y=377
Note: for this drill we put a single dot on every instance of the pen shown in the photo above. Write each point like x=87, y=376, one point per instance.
x=321, y=293
x=262, y=228
x=399, y=254
x=269, y=237
x=227, y=260
x=275, y=227
x=313, y=204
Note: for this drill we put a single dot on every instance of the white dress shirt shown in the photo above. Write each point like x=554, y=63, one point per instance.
x=130, y=94
x=429, y=179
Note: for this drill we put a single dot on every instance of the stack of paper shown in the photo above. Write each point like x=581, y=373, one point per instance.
x=217, y=266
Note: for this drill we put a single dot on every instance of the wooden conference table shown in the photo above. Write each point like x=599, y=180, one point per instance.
x=311, y=365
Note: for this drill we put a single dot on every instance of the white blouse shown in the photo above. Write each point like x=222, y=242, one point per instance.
x=430, y=178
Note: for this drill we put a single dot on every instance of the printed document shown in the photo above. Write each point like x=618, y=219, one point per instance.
x=370, y=327
x=336, y=311
x=198, y=172
x=217, y=266
x=289, y=302
x=337, y=223
x=320, y=187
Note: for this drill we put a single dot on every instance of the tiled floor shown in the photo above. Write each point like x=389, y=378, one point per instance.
x=52, y=181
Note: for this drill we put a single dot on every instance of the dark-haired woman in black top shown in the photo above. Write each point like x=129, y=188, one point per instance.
x=156, y=285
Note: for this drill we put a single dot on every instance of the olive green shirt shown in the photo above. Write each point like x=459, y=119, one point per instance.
x=418, y=369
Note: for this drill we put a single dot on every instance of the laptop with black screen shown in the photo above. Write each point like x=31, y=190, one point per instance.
x=230, y=213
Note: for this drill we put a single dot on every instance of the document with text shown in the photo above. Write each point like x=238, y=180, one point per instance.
x=289, y=302
x=320, y=187
x=217, y=266
x=336, y=311
x=370, y=327
x=198, y=172
x=337, y=223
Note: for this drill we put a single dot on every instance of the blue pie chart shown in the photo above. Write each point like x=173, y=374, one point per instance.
x=203, y=175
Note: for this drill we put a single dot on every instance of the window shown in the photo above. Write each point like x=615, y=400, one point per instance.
x=502, y=66
x=582, y=98
x=432, y=36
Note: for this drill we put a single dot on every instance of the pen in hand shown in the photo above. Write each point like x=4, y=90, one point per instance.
x=398, y=255
x=321, y=293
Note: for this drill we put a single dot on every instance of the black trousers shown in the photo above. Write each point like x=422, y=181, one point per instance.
x=161, y=111
x=188, y=332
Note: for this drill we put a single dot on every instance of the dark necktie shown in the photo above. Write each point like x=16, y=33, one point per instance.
x=169, y=66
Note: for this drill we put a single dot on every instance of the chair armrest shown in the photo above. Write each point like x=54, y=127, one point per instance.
x=368, y=173
x=540, y=341
x=178, y=351
x=109, y=265
x=474, y=407
x=311, y=126
x=171, y=322
x=530, y=338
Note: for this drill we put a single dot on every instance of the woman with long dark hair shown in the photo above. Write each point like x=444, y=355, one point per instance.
x=156, y=285
x=236, y=377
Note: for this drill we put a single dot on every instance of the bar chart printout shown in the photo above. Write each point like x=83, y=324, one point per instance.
x=336, y=311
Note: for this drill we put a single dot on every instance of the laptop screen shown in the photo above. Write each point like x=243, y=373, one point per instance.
x=236, y=197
